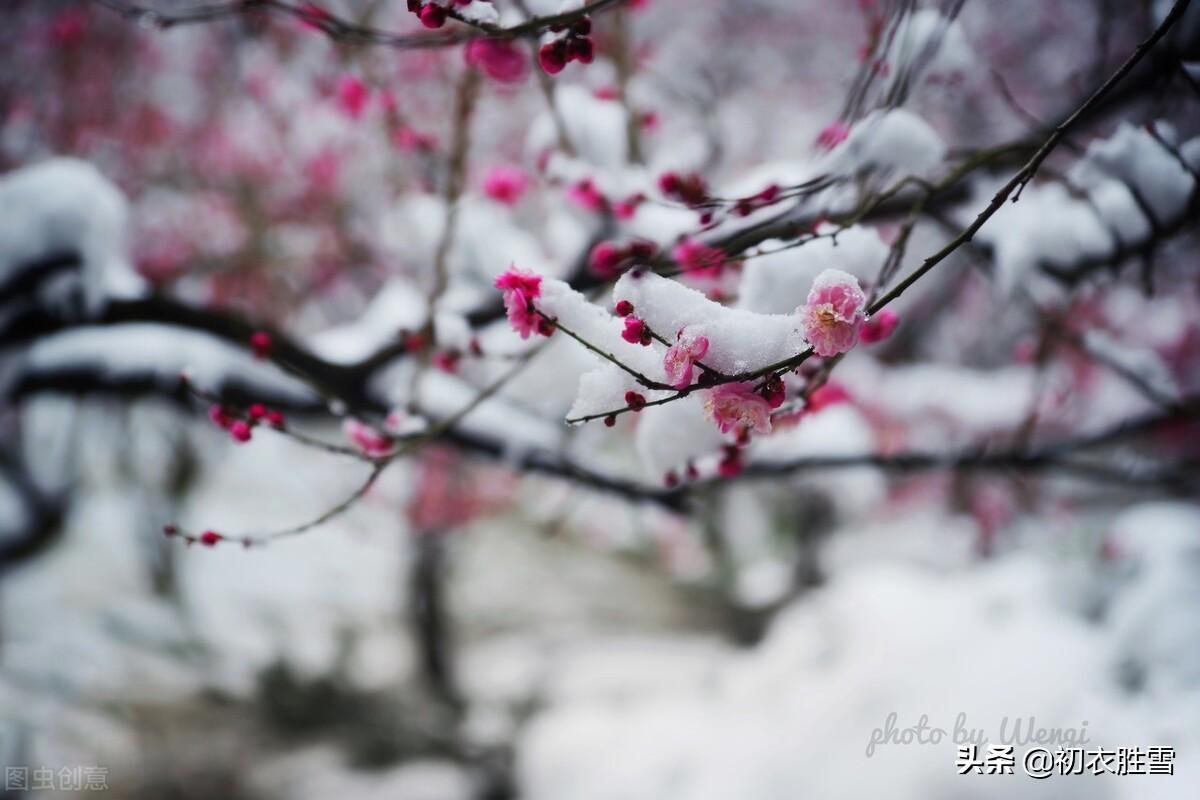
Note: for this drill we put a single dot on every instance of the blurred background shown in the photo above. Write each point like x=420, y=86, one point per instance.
x=990, y=517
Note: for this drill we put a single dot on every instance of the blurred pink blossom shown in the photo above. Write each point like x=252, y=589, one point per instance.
x=352, y=95
x=500, y=59
x=505, y=184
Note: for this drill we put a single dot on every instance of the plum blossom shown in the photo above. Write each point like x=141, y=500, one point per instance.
x=352, y=95
x=689, y=189
x=831, y=394
x=689, y=348
x=505, y=184
x=412, y=140
x=585, y=195
x=832, y=135
x=520, y=289
x=635, y=331
x=605, y=259
x=499, y=59
x=698, y=259
x=879, y=327
x=368, y=440
x=736, y=406
x=834, y=313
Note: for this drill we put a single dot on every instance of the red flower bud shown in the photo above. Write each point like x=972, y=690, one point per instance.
x=552, y=57
x=260, y=344
x=240, y=431
x=432, y=15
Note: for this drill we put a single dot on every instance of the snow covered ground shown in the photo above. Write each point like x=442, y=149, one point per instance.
x=634, y=692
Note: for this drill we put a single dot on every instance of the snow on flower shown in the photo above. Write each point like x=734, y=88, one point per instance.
x=499, y=59
x=834, y=313
x=736, y=407
x=505, y=184
x=520, y=289
x=689, y=348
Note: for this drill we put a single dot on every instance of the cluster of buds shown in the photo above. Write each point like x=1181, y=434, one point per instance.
x=570, y=43
x=627, y=208
x=608, y=258
x=635, y=331
x=748, y=205
x=241, y=428
x=689, y=189
x=671, y=478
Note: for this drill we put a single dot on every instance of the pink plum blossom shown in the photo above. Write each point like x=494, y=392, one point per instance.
x=585, y=195
x=499, y=59
x=834, y=314
x=505, y=184
x=352, y=95
x=879, y=327
x=635, y=331
x=412, y=140
x=605, y=259
x=833, y=134
x=689, y=348
x=831, y=394
x=69, y=27
x=368, y=440
x=520, y=289
x=736, y=406
x=698, y=259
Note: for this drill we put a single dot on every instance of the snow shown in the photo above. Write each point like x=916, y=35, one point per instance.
x=797, y=712
x=397, y=306
x=148, y=349
x=480, y=11
x=930, y=394
x=739, y=340
x=1135, y=157
x=839, y=430
x=892, y=140
x=779, y=282
x=670, y=436
x=594, y=127
x=1122, y=177
x=64, y=205
x=926, y=44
